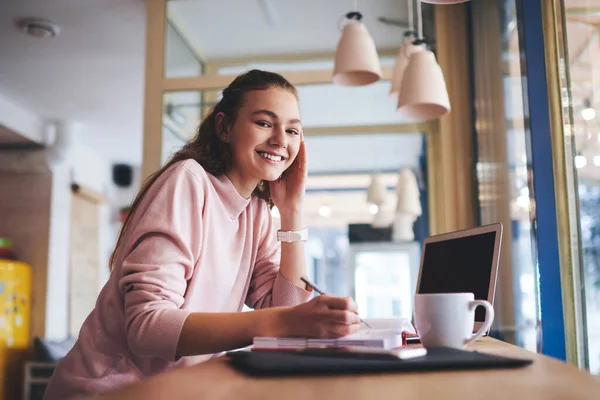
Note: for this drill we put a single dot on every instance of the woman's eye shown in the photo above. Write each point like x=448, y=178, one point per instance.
x=293, y=132
x=263, y=124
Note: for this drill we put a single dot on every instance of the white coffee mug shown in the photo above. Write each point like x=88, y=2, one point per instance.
x=448, y=319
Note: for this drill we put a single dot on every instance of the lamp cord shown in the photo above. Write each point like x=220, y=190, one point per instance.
x=411, y=17
x=419, y=20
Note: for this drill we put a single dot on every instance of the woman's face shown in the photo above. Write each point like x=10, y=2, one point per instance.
x=266, y=135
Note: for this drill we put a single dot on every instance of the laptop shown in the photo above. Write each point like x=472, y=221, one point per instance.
x=462, y=261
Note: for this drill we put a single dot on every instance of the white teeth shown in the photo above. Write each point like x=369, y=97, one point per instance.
x=270, y=157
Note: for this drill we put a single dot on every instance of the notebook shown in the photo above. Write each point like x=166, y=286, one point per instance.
x=271, y=363
x=386, y=333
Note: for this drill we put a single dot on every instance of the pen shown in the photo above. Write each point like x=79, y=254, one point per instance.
x=321, y=292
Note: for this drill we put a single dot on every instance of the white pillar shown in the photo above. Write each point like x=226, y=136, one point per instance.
x=66, y=134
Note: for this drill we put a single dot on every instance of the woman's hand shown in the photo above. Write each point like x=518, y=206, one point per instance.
x=287, y=192
x=322, y=317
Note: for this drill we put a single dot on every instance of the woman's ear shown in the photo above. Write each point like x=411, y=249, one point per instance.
x=221, y=127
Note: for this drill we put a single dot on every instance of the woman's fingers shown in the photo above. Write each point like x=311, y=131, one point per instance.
x=339, y=303
x=301, y=159
x=343, y=317
x=339, y=330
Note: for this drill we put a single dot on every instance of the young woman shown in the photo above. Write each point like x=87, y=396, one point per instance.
x=200, y=242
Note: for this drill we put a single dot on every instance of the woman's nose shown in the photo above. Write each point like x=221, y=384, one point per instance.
x=278, y=137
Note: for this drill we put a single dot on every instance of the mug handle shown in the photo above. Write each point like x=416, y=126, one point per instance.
x=489, y=317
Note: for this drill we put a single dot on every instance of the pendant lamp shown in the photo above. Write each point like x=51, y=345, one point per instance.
x=408, y=206
x=406, y=49
x=376, y=191
x=402, y=58
x=444, y=1
x=423, y=94
x=356, y=59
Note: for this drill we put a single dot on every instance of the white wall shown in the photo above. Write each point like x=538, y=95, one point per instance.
x=20, y=120
x=87, y=168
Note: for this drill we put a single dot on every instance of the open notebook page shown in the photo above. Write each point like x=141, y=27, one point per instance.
x=385, y=334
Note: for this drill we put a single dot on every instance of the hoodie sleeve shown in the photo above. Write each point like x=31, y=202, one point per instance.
x=160, y=262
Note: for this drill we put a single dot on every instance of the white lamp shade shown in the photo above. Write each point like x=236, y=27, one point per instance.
x=402, y=227
x=408, y=195
x=402, y=58
x=356, y=59
x=376, y=191
x=444, y=1
x=381, y=219
x=423, y=94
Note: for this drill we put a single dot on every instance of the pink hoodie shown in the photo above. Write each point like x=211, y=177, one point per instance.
x=193, y=245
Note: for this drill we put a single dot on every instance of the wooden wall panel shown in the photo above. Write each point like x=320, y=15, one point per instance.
x=456, y=186
x=25, y=218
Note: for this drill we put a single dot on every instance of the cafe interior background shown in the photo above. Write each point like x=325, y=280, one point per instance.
x=98, y=95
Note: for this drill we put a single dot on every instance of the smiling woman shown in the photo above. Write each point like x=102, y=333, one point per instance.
x=199, y=243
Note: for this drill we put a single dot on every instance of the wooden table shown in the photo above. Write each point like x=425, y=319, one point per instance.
x=546, y=378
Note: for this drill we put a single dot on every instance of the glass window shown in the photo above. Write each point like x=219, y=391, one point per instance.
x=181, y=60
x=358, y=106
x=363, y=105
x=346, y=106
x=182, y=112
x=381, y=274
x=383, y=283
x=582, y=18
x=503, y=166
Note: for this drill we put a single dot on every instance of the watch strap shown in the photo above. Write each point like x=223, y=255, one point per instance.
x=292, y=236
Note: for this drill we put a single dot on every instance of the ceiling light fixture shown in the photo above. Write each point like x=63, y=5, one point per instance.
x=580, y=161
x=38, y=27
x=373, y=208
x=325, y=211
x=423, y=93
x=376, y=191
x=588, y=113
x=408, y=206
x=356, y=60
x=406, y=50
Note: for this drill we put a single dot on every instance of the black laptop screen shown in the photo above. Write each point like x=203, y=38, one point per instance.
x=459, y=265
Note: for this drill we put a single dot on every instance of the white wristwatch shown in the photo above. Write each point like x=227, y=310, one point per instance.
x=292, y=236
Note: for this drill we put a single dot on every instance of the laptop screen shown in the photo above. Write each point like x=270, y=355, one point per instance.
x=462, y=264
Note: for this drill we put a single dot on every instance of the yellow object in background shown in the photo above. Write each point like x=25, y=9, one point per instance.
x=15, y=317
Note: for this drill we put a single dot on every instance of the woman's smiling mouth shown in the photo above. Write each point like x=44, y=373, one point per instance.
x=270, y=156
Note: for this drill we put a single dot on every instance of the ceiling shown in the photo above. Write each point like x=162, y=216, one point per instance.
x=92, y=71
x=269, y=27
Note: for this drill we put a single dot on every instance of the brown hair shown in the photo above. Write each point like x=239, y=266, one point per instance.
x=213, y=154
